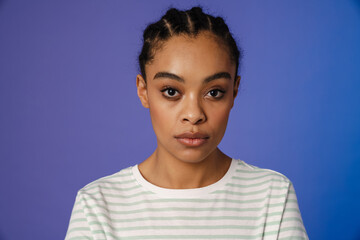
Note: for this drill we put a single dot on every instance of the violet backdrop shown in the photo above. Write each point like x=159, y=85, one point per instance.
x=69, y=112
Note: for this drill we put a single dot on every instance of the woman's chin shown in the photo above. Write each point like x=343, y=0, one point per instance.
x=194, y=156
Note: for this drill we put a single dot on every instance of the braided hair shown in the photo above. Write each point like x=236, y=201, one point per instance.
x=190, y=22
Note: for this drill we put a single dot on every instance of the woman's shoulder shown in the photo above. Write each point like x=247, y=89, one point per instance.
x=120, y=180
x=247, y=171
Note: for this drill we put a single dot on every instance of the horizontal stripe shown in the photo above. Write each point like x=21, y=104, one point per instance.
x=195, y=209
x=80, y=238
x=205, y=227
x=252, y=178
x=251, y=193
x=127, y=173
x=124, y=196
x=97, y=215
x=78, y=220
x=178, y=236
x=114, y=188
x=117, y=182
x=78, y=229
x=253, y=184
x=77, y=211
x=182, y=209
x=192, y=227
x=215, y=192
x=285, y=229
x=175, y=200
x=261, y=170
x=292, y=238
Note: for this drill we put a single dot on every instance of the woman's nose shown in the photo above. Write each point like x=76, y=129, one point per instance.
x=193, y=112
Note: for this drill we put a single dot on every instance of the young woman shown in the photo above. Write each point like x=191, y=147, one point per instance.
x=188, y=188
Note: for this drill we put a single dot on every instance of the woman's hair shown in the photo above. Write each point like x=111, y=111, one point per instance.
x=191, y=23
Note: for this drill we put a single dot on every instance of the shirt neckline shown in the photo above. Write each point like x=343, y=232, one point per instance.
x=185, y=193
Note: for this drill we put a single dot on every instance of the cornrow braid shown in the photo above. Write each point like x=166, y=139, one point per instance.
x=190, y=22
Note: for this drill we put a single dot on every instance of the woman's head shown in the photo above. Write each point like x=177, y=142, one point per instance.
x=190, y=23
x=190, y=84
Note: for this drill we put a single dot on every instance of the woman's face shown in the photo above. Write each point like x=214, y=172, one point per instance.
x=189, y=91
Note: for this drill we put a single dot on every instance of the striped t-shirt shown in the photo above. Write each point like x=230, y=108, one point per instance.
x=246, y=203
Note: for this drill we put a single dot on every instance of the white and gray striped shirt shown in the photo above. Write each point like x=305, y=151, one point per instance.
x=247, y=203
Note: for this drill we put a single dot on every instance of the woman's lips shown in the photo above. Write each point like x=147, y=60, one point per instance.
x=190, y=139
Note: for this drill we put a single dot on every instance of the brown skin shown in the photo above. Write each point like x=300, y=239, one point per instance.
x=191, y=105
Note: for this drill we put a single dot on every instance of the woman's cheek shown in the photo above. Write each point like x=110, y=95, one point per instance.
x=161, y=113
x=221, y=117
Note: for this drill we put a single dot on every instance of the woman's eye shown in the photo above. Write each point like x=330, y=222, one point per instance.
x=216, y=93
x=170, y=92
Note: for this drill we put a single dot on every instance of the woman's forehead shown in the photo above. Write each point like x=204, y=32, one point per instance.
x=184, y=54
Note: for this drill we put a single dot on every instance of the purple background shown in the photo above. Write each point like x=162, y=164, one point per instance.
x=69, y=112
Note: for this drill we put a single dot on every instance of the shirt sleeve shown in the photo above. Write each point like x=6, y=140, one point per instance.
x=291, y=226
x=79, y=228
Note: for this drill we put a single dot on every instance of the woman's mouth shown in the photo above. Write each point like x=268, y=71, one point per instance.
x=190, y=139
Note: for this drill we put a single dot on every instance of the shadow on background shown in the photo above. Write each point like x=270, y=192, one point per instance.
x=357, y=3
x=1, y=4
x=356, y=238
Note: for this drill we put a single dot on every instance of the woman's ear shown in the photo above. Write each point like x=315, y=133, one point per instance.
x=236, y=88
x=142, y=90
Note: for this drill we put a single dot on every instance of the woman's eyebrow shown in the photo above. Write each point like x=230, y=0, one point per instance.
x=179, y=79
x=168, y=75
x=217, y=76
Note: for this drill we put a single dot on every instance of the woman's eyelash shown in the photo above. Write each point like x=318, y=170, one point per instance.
x=216, y=93
x=170, y=92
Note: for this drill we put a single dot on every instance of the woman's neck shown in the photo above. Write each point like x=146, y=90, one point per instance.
x=165, y=170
